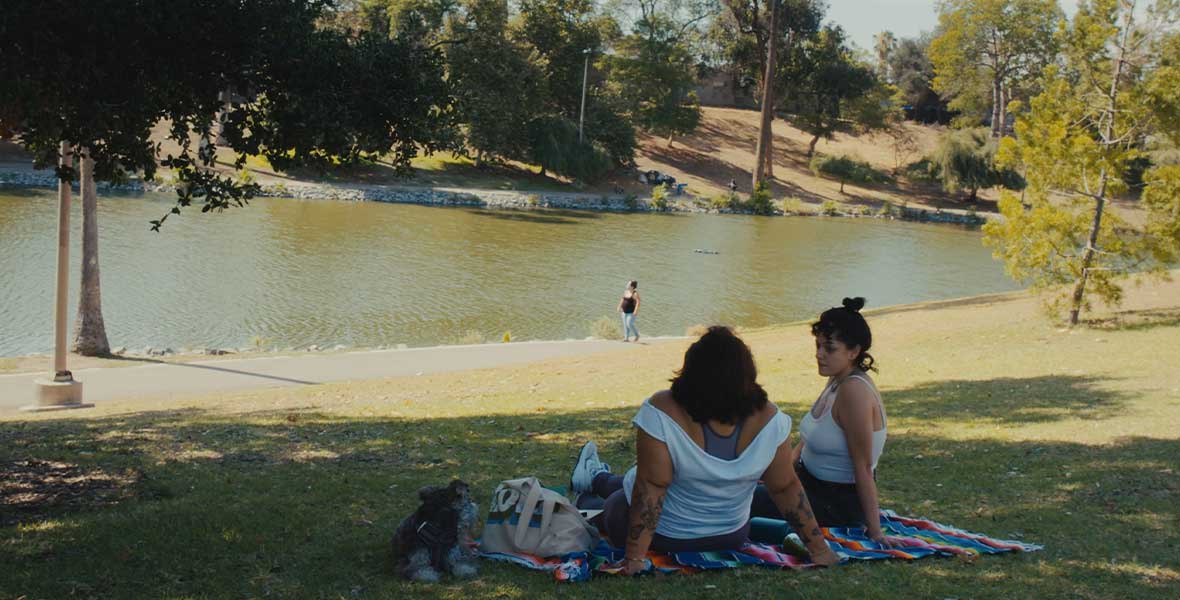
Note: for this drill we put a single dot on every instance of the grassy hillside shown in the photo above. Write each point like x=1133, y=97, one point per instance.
x=1000, y=422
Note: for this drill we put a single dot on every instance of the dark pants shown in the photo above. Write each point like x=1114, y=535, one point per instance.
x=834, y=504
x=615, y=519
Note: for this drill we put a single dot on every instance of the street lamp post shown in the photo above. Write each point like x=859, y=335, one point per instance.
x=585, y=77
x=62, y=391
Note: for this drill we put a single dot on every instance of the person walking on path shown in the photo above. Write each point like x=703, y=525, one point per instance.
x=629, y=307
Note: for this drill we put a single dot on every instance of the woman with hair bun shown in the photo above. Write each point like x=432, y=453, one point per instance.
x=843, y=435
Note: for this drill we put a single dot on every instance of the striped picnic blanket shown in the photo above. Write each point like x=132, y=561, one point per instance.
x=920, y=538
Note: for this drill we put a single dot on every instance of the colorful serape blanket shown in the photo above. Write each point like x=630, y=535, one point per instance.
x=919, y=538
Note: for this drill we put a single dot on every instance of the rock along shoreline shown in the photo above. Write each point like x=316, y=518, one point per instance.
x=483, y=198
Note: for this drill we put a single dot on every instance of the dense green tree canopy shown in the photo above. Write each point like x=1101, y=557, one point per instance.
x=833, y=91
x=989, y=52
x=302, y=95
x=653, y=68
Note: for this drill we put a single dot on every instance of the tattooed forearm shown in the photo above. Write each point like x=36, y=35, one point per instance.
x=645, y=511
x=638, y=500
x=800, y=515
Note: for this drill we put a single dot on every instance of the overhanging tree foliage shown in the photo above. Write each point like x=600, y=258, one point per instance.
x=72, y=73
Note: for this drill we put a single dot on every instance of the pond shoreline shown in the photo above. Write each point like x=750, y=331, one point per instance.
x=501, y=199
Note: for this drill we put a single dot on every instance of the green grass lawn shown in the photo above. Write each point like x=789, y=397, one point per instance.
x=1000, y=422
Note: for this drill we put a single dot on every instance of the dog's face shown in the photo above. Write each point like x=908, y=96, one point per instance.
x=449, y=507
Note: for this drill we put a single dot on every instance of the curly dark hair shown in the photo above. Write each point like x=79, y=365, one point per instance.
x=845, y=323
x=719, y=379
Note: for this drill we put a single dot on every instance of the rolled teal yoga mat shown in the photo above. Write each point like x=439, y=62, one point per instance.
x=768, y=531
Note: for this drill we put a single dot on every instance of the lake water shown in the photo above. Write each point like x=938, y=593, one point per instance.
x=296, y=273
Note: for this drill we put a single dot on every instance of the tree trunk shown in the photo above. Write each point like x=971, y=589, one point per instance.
x=841, y=186
x=1079, y=289
x=768, y=168
x=997, y=111
x=811, y=146
x=765, y=139
x=669, y=144
x=90, y=335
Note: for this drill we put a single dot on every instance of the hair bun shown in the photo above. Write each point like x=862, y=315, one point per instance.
x=854, y=304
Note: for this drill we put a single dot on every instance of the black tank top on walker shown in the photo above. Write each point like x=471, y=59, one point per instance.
x=629, y=304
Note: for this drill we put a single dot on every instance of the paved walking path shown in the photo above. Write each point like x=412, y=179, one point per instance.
x=170, y=380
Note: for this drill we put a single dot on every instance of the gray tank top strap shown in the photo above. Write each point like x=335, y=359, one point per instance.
x=721, y=446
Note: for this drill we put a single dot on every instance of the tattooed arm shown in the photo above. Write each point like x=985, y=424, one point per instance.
x=787, y=492
x=652, y=478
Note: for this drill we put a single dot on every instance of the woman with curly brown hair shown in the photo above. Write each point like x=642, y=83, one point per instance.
x=702, y=447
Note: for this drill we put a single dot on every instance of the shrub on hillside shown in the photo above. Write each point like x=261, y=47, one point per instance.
x=605, y=328
x=728, y=201
x=922, y=171
x=846, y=169
x=760, y=202
x=829, y=208
x=470, y=337
x=966, y=160
x=659, y=197
x=555, y=146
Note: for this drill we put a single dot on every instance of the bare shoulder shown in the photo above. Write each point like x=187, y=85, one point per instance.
x=855, y=399
x=855, y=390
x=664, y=401
x=763, y=415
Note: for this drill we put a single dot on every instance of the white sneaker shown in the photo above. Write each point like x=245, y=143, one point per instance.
x=587, y=467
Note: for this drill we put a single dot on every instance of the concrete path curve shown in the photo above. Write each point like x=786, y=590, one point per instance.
x=167, y=380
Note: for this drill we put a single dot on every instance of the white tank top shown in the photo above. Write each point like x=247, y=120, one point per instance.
x=825, y=449
x=708, y=495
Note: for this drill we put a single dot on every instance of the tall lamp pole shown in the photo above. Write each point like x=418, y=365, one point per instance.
x=585, y=77
x=62, y=391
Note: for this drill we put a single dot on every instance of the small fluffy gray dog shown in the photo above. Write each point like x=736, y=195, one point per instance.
x=437, y=537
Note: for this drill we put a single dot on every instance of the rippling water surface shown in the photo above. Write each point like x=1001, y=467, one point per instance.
x=297, y=272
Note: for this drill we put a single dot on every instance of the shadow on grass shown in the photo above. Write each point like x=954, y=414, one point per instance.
x=301, y=504
x=1137, y=320
x=997, y=298
x=1008, y=400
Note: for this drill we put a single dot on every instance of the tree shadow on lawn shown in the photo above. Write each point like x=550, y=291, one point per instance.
x=1136, y=320
x=301, y=504
x=1007, y=400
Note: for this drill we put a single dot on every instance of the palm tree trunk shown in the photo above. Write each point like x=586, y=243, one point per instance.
x=90, y=335
x=764, y=138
